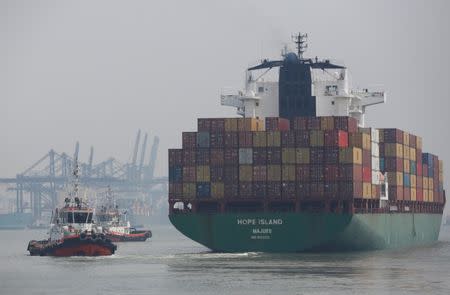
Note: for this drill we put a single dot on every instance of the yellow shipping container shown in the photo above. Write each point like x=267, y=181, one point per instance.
x=418, y=142
x=413, y=181
x=441, y=177
x=406, y=152
x=367, y=190
x=217, y=190
x=245, y=172
x=316, y=138
x=395, y=178
x=430, y=196
x=425, y=195
x=302, y=155
x=288, y=172
x=393, y=150
x=231, y=124
x=412, y=154
x=326, y=123
x=350, y=155
x=250, y=124
x=360, y=139
x=288, y=155
x=273, y=138
x=425, y=183
x=406, y=138
x=413, y=194
x=430, y=183
x=259, y=139
x=406, y=166
x=203, y=174
x=274, y=172
x=189, y=190
x=374, y=191
x=441, y=166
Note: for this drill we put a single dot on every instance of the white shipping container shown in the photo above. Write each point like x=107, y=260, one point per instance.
x=375, y=135
x=245, y=156
x=375, y=149
x=375, y=163
x=376, y=179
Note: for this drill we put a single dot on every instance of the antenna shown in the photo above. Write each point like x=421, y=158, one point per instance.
x=300, y=41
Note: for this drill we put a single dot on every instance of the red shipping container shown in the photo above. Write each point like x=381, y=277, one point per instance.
x=313, y=123
x=302, y=138
x=348, y=124
x=316, y=155
x=303, y=190
x=273, y=156
x=217, y=173
x=331, y=173
x=231, y=140
x=217, y=157
x=245, y=189
x=259, y=190
x=392, y=164
x=336, y=138
x=367, y=159
x=203, y=124
x=231, y=191
x=300, y=123
x=367, y=174
x=231, y=174
x=288, y=190
x=316, y=172
x=231, y=156
x=425, y=170
x=216, y=140
x=175, y=157
x=395, y=193
x=288, y=139
x=175, y=190
x=302, y=172
x=277, y=124
x=317, y=189
x=350, y=172
x=260, y=173
x=331, y=155
x=331, y=190
x=189, y=157
x=274, y=189
x=407, y=194
x=350, y=189
x=392, y=135
x=189, y=140
x=412, y=141
x=217, y=125
x=259, y=156
x=245, y=139
x=189, y=173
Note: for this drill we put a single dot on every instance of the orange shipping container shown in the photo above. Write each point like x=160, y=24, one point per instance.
x=231, y=124
x=367, y=190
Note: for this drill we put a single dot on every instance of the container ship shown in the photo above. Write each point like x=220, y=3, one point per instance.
x=298, y=170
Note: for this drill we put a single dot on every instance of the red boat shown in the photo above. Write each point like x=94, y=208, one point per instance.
x=72, y=230
x=115, y=225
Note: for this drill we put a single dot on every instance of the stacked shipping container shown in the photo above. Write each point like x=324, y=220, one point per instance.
x=308, y=158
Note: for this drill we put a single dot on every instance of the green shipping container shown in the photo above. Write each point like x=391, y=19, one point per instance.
x=302, y=155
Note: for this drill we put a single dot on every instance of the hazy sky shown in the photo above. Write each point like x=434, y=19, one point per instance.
x=96, y=71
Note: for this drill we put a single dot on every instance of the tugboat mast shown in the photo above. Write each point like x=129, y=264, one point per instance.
x=300, y=41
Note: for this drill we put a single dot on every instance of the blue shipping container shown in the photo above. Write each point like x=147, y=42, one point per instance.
x=413, y=167
x=406, y=180
x=203, y=139
x=176, y=174
x=382, y=164
x=203, y=190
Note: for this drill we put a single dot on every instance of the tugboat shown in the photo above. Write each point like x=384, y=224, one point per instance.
x=115, y=225
x=73, y=231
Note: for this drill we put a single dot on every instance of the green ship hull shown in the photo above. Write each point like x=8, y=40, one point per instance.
x=298, y=232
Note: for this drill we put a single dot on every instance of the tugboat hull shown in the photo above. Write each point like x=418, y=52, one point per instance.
x=73, y=246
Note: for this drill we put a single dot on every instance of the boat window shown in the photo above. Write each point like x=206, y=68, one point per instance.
x=82, y=217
